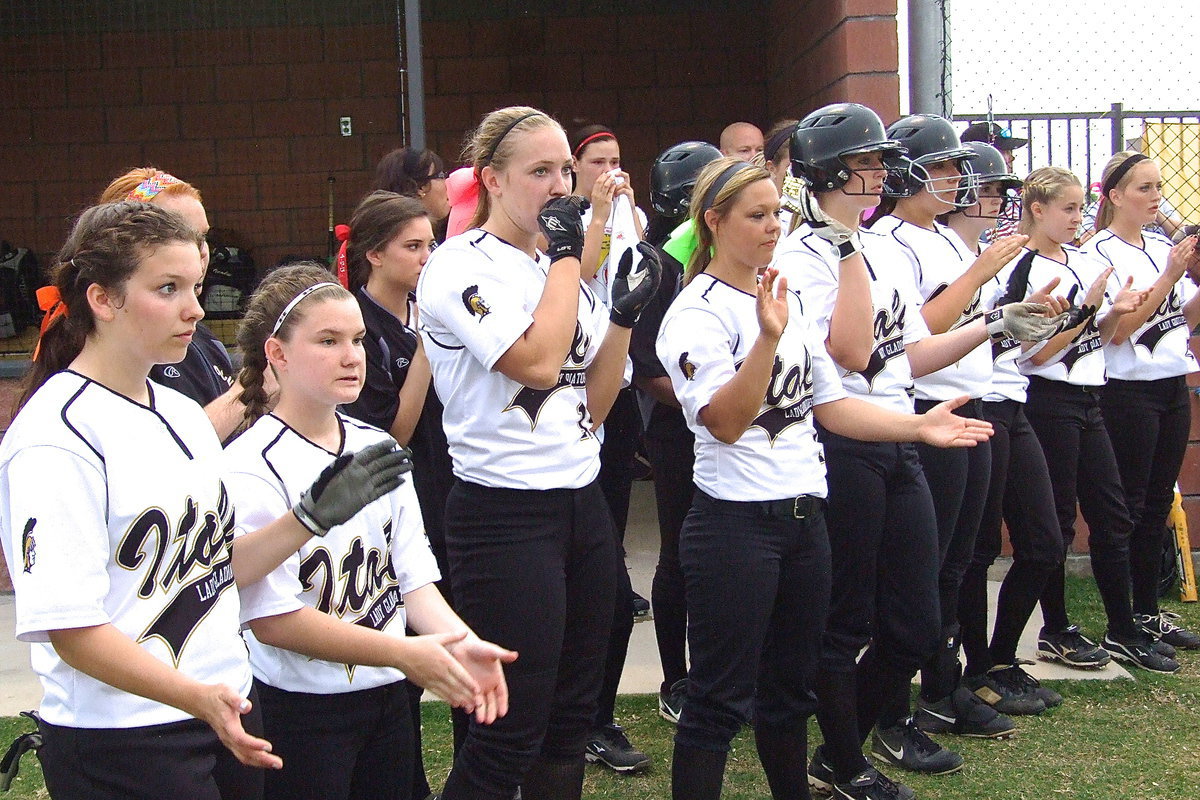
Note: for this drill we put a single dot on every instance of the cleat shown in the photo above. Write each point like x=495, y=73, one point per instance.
x=1140, y=652
x=1072, y=648
x=906, y=746
x=963, y=714
x=610, y=747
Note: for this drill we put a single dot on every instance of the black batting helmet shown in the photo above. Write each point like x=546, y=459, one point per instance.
x=930, y=139
x=674, y=175
x=823, y=140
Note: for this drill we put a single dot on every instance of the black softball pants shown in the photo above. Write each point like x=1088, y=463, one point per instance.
x=622, y=434
x=958, y=479
x=347, y=746
x=670, y=446
x=175, y=760
x=1083, y=470
x=1019, y=495
x=884, y=549
x=1148, y=424
x=757, y=576
x=536, y=572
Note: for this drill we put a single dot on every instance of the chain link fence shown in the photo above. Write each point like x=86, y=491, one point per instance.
x=1083, y=142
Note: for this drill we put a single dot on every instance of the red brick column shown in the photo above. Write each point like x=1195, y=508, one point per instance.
x=829, y=51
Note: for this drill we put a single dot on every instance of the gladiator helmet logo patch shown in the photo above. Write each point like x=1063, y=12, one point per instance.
x=28, y=547
x=686, y=367
x=474, y=302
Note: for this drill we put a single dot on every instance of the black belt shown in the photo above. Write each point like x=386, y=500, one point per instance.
x=1062, y=388
x=788, y=508
x=971, y=408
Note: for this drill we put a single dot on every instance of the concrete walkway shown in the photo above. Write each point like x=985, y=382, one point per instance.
x=19, y=689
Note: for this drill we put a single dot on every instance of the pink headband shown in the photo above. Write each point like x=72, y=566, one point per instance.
x=152, y=187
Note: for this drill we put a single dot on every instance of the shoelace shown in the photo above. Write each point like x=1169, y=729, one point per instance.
x=919, y=738
x=888, y=786
x=1013, y=678
x=1075, y=639
x=1023, y=677
x=1166, y=622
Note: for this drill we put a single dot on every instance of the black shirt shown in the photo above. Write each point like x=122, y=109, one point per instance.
x=389, y=346
x=205, y=373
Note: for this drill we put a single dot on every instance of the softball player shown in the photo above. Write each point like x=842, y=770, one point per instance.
x=751, y=373
x=326, y=628
x=1019, y=490
x=524, y=362
x=206, y=373
x=596, y=160
x=416, y=173
x=1063, y=406
x=885, y=558
x=669, y=442
x=1146, y=408
x=390, y=239
x=947, y=277
x=126, y=580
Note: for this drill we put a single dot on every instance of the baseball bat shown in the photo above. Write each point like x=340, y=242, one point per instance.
x=1183, y=550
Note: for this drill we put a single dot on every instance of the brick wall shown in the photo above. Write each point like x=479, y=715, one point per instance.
x=830, y=51
x=655, y=78
x=250, y=114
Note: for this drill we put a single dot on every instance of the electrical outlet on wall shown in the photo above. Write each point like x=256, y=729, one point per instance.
x=345, y=127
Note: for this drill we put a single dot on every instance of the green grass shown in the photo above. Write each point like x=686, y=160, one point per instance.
x=1111, y=739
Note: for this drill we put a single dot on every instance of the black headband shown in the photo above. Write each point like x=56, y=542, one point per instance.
x=496, y=144
x=776, y=141
x=1115, y=176
x=710, y=196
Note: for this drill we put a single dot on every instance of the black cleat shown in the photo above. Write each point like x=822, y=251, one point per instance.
x=1072, y=648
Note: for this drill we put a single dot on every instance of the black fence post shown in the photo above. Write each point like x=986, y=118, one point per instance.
x=1118, y=127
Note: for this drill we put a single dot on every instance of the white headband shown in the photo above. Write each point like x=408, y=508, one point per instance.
x=296, y=301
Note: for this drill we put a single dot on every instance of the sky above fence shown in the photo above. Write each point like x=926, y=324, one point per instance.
x=1075, y=55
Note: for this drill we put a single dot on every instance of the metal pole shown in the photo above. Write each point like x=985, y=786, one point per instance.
x=1118, y=127
x=402, y=74
x=416, y=73
x=929, y=89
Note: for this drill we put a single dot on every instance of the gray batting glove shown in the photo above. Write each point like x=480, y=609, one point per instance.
x=1024, y=322
x=351, y=483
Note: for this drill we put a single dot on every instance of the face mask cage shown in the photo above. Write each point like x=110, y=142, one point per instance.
x=1010, y=203
x=895, y=166
x=959, y=191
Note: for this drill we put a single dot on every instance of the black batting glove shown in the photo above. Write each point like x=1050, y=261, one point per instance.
x=561, y=221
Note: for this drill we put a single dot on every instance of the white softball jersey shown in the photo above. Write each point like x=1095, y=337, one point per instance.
x=705, y=336
x=937, y=258
x=358, y=573
x=477, y=295
x=1082, y=361
x=810, y=265
x=1159, y=348
x=619, y=236
x=1008, y=382
x=114, y=512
